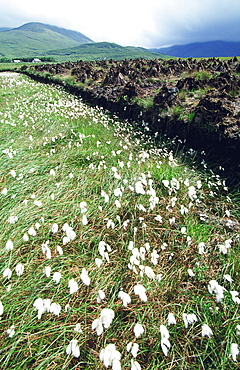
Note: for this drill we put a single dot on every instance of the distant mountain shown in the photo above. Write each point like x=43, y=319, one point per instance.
x=202, y=49
x=2, y=29
x=102, y=50
x=33, y=39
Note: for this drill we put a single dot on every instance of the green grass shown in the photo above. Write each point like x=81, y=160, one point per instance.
x=43, y=129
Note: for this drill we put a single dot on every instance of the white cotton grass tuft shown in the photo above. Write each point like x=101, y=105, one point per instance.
x=57, y=277
x=9, y=245
x=165, y=344
x=42, y=306
x=98, y=262
x=25, y=237
x=55, y=308
x=206, y=331
x=12, y=219
x=138, y=330
x=126, y=299
x=100, y=296
x=190, y=272
x=84, y=220
x=84, y=277
x=59, y=250
x=54, y=228
x=4, y=191
x=73, y=348
x=110, y=357
x=47, y=271
x=135, y=365
x=11, y=331
x=133, y=347
x=215, y=288
x=141, y=292
x=19, y=269
x=1, y=308
x=235, y=297
x=78, y=328
x=73, y=286
x=190, y=318
x=234, y=351
x=7, y=273
x=104, y=321
x=32, y=231
x=171, y=319
x=201, y=248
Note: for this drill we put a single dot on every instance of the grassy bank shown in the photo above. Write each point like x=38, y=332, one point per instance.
x=107, y=239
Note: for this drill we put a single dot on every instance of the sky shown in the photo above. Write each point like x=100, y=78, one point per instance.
x=146, y=23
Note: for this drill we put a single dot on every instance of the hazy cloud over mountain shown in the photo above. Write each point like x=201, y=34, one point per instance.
x=150, y=23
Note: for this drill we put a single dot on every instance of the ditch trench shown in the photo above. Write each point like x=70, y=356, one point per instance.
x=222, y=151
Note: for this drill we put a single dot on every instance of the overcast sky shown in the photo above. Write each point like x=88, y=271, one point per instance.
x=147, y=23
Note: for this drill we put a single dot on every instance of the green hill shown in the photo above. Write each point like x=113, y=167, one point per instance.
x=102, y=50
x=34, y=39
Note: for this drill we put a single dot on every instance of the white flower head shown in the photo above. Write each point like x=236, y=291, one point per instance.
x=9, y=245
x=7, y=273
x=206, y=331
x=56, y=277
x=42, y=305
x=110, y=357
x=84, y=277
x=190, y=272
x=11, y=331
x=101, y=295
x=25, y=237
x=133, y=347
x=201, y=247
x=73, y=348
x=55, y=308
x=78, y=328
x=1, y=308
x=54, y=228
x=12, y=219
x=73, y=286
x=47, y=271
x=4, y=191
x=98, y=262
x=126, y=299
x=165, y=344
x=141, y=292
x=189, y=319
x=235, y=297
x=138, y=330
x=84, y=220
x=107, y=316
x=171, y=319
x=135, y=365
x=32, y=231
x=19, y=269
x=214, y=287
x=98, y=326
x=234, y=351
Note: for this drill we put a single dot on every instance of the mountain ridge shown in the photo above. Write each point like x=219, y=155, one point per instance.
x=206, y=49
x=35, y=38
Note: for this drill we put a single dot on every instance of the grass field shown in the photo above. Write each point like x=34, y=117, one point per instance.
x=114, y=253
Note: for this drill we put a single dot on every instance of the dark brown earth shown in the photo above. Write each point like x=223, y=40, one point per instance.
x=195, y=100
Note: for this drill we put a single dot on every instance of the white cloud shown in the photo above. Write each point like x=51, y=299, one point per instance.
x=131, y=22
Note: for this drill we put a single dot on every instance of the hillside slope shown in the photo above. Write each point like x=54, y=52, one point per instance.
x=102, y=50
x=202, y=49
x=35, y=38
